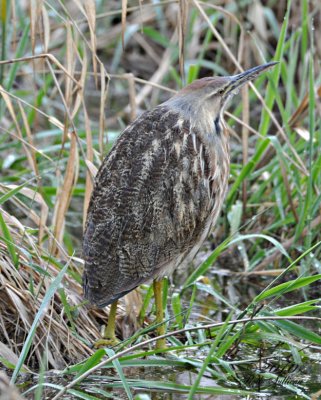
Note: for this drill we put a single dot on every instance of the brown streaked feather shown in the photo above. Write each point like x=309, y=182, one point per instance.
x=160, y=189
x=153, y=198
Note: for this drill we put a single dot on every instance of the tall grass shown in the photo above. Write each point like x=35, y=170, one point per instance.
x=73, y=75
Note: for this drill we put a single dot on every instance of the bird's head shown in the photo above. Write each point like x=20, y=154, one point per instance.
x=208, y=96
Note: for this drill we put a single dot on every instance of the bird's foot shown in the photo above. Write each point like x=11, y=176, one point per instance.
x=109, y=336
x=107, y=342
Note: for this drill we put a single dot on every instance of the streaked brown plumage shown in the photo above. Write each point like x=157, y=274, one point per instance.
x=160, y=190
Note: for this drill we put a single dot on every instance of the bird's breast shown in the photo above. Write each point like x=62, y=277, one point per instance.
x=214, y=158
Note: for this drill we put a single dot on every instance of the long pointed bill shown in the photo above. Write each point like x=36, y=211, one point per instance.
x=240, y=79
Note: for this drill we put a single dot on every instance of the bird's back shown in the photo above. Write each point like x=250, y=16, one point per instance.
x=152, y=205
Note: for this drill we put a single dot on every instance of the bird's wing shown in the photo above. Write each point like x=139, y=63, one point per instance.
x=149, y=206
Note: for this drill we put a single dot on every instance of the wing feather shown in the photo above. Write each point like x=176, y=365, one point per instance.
x=149, y=205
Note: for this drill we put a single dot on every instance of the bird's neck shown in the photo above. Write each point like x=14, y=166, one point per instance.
x=210, y=127
x=211, y=131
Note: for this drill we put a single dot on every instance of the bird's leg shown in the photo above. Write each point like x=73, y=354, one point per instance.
x=109, y=334
x=161, y=329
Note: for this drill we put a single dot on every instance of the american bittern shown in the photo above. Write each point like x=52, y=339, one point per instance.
x=159, y=192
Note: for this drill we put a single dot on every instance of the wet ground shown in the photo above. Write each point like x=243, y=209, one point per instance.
x=269, y=371
x=256, y=377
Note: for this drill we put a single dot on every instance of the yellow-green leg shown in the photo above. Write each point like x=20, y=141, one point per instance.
x=109, y=334
x=161, y=329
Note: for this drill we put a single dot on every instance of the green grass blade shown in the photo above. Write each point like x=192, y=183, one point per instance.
x=42, y=309
x=82, y=395
x=172, y=387
x=287, y=287
x=120, y=372
x=220, y=334
x=67, y=309
x=9, y=241
x=246, y=170
x=289, y=268
x=275, y=74
x=93, y=360
x=300, y=308
x=277, y=244
x=12, y=192
x=177, y=309
x=305, y=26
x=206, y=264
x=300, y=331
x=19, y=53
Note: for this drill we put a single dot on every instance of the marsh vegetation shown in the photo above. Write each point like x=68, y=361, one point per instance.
x=73, y=75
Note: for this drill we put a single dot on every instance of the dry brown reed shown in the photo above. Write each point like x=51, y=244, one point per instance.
x=74, y=76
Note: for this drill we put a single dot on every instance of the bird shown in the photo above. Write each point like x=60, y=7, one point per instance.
x=158, y=194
